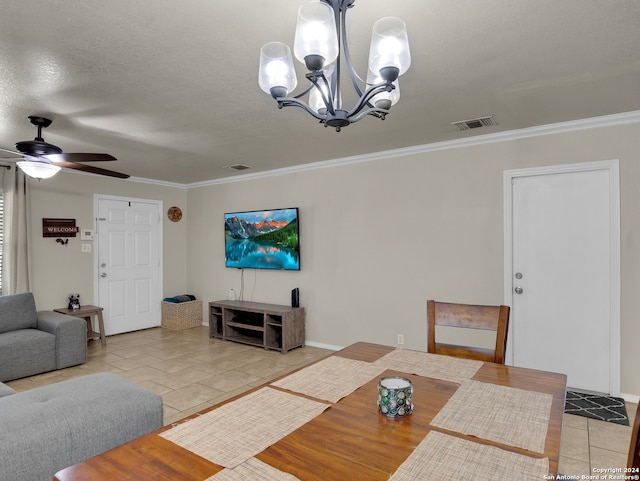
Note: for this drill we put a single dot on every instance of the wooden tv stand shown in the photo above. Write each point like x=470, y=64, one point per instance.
x=270, y=326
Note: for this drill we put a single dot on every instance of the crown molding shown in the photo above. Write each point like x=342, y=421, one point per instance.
x=624, y=118
x=162, y=183
x=140, y=180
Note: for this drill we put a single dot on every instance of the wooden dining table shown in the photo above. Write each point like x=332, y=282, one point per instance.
x=321, y=423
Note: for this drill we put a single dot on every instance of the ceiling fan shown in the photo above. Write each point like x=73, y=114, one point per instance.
x=43, y=160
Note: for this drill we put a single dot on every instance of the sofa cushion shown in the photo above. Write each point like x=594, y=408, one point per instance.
x=6, y=390
x=71, y=337
x=46, y=429
x=17, y=311
x=25, y=352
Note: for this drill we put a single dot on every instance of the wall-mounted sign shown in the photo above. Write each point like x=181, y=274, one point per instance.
x=59, y=228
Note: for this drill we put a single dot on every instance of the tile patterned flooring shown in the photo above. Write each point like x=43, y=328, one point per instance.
x=589, y=444
x=192, y=372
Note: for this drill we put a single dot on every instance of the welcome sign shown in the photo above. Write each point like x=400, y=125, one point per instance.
x=59, y=228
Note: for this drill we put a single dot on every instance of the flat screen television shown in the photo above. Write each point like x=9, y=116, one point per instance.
x=262, y=239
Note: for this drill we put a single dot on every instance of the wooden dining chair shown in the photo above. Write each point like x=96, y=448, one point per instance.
x=634, y=449
x=491, y=318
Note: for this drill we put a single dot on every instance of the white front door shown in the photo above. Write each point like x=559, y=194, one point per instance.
x=129, y=263
x=562, y=274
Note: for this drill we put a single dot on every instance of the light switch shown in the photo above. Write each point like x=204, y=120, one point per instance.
x=86, y=247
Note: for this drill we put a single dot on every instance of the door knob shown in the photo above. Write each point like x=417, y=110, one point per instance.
x=519, y=290
x=104, y=274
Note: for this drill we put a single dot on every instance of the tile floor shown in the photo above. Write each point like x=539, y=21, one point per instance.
x=192, y=372
x=589, y=444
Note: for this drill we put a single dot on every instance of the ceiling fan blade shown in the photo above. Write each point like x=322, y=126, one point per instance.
x=92, y=170
x=20, y=156
x=74, y=157
x=11, y=152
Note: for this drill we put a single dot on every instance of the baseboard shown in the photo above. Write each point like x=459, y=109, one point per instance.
x=322, y=345
x=630, y=398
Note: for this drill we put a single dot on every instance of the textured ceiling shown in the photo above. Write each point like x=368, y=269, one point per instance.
x=170, y=88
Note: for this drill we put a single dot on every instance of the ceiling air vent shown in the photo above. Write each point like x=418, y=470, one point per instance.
x=475, y=123
x=237, y=167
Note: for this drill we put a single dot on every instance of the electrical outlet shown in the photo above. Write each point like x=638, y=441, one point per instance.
x=400, y=339
x=86, y=247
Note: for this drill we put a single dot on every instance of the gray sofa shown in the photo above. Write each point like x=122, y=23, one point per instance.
x=32, y=342
x=49, y=428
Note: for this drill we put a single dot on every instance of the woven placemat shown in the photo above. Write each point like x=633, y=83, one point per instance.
x=446, y=368
x=443, y=457
x=252, y=470
x=237, y=431
x=503, y=414
x=330, y=379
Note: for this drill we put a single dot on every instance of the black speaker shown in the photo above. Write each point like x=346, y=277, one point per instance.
x=295, y=297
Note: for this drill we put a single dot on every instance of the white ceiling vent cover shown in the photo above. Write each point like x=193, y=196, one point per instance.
x=475, y=123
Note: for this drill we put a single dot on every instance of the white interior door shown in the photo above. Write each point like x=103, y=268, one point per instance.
x=129, y=263
x=563, y=273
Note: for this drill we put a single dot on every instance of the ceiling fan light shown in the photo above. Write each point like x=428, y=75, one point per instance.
x=389, y=46
x=38, y=170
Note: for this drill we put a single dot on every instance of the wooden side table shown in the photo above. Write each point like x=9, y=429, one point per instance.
x=85, y=312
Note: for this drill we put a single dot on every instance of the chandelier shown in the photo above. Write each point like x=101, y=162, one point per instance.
x=320, y=43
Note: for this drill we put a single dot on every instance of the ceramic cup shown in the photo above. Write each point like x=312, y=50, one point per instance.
x=395, y=396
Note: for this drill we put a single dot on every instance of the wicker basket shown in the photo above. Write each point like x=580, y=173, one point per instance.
x=181, y=315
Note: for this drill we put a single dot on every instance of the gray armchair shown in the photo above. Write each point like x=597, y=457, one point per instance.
x=32, y=342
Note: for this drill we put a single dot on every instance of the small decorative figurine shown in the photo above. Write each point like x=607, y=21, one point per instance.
x=74, y=301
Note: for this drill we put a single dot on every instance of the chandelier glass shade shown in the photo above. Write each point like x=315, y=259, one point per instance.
x=37, y=169
x=320, y=43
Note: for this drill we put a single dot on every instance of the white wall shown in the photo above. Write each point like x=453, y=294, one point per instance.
x=378, y=238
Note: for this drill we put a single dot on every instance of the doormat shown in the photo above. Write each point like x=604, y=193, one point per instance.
x=597, y=406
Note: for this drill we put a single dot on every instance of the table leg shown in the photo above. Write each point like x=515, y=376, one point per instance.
x=89, y=326
x=103, y=338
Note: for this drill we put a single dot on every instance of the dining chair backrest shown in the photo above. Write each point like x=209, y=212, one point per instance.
x=491, y=318
x=634, y=448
